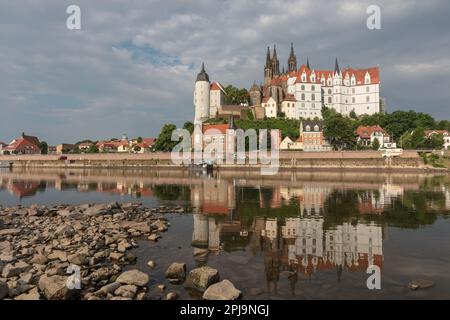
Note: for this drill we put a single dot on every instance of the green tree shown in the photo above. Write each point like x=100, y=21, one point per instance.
x=417, y=138
x=338, y=130
x=164, y=141
x=375, y=144
x=93, y=149
x=235, y=95
x=353, y=114
x=44, y=147
x=435, y=141
x=189, y=126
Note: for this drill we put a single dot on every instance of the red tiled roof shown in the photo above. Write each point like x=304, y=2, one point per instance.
x=430, y=132
x=365, y=132
x=149, y=141
x=215, y=86
x=220, y=127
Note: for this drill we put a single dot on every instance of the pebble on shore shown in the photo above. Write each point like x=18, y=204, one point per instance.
x=39, y=243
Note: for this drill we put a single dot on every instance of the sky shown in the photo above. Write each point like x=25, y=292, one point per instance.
x=131, y=67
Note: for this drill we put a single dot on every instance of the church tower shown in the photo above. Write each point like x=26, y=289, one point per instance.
x=292, y=61
x=268, y=68
x=275, y=63
x=202, y=96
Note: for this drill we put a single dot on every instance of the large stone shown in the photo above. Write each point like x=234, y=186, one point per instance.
x=65, y=231
x=55, y=288
x=176, y=272
x=39, y=259
x=420, y=284
x=201, y=278
x=9, y=232
x=134, y=277
x=58, y=255
x=223, y=290
x=126, y=291
x=13, y=270
x=78, y=259
x=140, y=226
x=5, y=246
x=33, y=294
x=4, y=289
x=108, y=289
x=96, y=210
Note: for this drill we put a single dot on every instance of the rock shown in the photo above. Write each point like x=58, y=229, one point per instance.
x=35, y=211
x=55, y=288
x=154, y=237
x=171, y=296
x=96, y=210
x=130, y=257
x=33, y=294
x=65, y=231
x=4, y=289
x=11, y=270
x=126, y=291
x=9, y=232
x=134, y=277
x=139, y=226
x=102, y=274
x=116, y=255
x=151, y=264
x=58, y=255
x=6, y=257
x=420, y=284
x=5, y=246
x=123, y=246
x=161, y=287
x=159, y=225
x=79, y=259
x=176, y=272
x=223, y=290
x=201, y=278
x=39, y=259
x=108, y=289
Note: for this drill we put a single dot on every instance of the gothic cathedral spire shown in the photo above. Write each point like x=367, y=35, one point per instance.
x=292, y=61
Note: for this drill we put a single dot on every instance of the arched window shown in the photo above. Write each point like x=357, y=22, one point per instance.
x=303, y=87
x=303, y=96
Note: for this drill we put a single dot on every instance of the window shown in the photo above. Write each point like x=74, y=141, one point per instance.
x=313, y=97
x=303, y=87
x=313, y=88
x=353, y=90
x=329, y=99
x=367, y=89
x=303, y=96
x=329, y=91
x=353, y=100
x=367, y=98
x=308, y=128
x=316, y=128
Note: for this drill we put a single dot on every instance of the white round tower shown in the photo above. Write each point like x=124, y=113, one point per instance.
x=202, y=96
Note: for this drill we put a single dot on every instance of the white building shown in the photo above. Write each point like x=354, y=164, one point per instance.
x=270, y=107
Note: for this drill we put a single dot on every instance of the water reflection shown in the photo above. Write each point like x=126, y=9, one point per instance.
x=300, y=223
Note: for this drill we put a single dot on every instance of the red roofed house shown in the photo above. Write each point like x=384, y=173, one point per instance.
x=445, y=134
x=23, y=145
x=367, y=135
x=270, y=106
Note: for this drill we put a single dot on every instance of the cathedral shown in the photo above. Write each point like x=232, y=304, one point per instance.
x=295, y=92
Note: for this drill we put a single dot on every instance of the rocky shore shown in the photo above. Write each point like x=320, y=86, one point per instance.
x=76, y=252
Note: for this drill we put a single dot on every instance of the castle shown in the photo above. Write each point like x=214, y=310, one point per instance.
x=296, y=93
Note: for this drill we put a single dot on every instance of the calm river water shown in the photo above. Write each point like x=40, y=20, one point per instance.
x=302, y=235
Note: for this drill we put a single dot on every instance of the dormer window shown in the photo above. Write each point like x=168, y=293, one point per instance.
x=316, y=128
x=367, y=78
x=308, y=128
x=303, y=77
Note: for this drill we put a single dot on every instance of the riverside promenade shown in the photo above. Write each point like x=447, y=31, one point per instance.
x=287, y=160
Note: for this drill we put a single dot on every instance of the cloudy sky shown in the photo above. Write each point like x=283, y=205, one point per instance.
x=132, y=66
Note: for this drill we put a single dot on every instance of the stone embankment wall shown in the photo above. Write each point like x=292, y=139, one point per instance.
x=288, y=160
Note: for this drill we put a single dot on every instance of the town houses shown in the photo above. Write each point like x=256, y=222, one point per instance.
x=366, y=136
x=24, y=144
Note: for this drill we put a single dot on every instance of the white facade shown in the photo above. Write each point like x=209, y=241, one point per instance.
x=201, y=101
x=270, y=108
x=217, y=98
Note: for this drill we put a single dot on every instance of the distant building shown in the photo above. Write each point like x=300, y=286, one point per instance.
x=270, y=107
x=64, y=148
x=85, y=146
x=310, y=138
x=23, y=145
x=445, y=134
x=365, y=136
